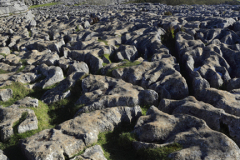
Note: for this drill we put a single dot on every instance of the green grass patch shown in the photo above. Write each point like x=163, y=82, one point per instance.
x=107, y=56
x=48, y=115
x=16, y=124
x=79, y=4
x=117, y=145
x=30, y=33
x=24, y=64
x=4, y=55
x=168, y=13
x=43, y=5
x=11, y=147
x=77, y=28
x=3, y=71
x=145, y=109
x=158, y=153
x=19, y=92
x=126, y=63
x=104, y=41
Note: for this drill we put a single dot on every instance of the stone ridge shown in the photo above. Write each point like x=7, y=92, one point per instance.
x=8, y=7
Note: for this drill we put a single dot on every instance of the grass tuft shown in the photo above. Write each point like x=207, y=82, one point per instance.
x=126, y=64
x=158, y=153
x=104, y=41
x=43, y=5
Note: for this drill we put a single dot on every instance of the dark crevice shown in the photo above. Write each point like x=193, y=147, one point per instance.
x=169, y=40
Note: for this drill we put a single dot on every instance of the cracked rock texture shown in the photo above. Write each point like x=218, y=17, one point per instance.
x=74, y=135
x=102, y=64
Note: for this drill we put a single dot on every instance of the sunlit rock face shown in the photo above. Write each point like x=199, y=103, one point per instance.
x=8, y=7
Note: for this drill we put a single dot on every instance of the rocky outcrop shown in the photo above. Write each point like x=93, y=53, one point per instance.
x=110, y=61
x=5, y=94
x=2, y=156
x=95, y=153
x=217, y=119
x=25, y=118
x=101, y=92
x=196, y=138
x=74, y=135
x=162, y=76
x=8, y=7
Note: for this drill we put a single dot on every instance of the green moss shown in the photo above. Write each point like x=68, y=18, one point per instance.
x=104, y=41
x=43, y=5
x=107, y=56
x=126, y=64
x=4, y=55
x=145, y=109
x=79, y=4
x=3, y=71
x=48, y=115
x=77, y=28
x=19, y=92
x=117, y=145
x=158, y=153
x=168, y=13
x=11, y=147
x=24, y=64
x=16, y=124
x=30, y=33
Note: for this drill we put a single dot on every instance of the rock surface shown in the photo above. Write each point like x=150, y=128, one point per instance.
x=94, y=153
x=9, y=115
x=2, y=156
x=74, y=135
x=102, y=92
x=5, y=94
x=103, y=63
x=197, y=139
x=8, y=7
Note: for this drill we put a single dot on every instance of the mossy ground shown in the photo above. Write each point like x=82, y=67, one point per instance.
x=126, y=63
x=43, y=5
x=117, y=145
x=48, y=115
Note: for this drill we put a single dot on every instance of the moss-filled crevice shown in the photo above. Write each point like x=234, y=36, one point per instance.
x=48, y=115
x=160, y=153
x=126, y=63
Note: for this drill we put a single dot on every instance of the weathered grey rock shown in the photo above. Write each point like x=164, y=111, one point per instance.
x=53, y=75
x=208, y=61
x=101, y=92
x=74, y=135
x=94, y=153
x=12, y=59
x=196, y=138
x=45, y=57
x=128, y=52
x=8, y=68
x=62, y=90
x=233, y=84
x=216, y=119
x=163, y=76
x=26, y=102
x=2, y=156
x=78, y=67
x=90, y=57
x=10, y=115
x=25, y=77
x=5, y=94
x=221, y=99
x=5, y=50
x=11, y=7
